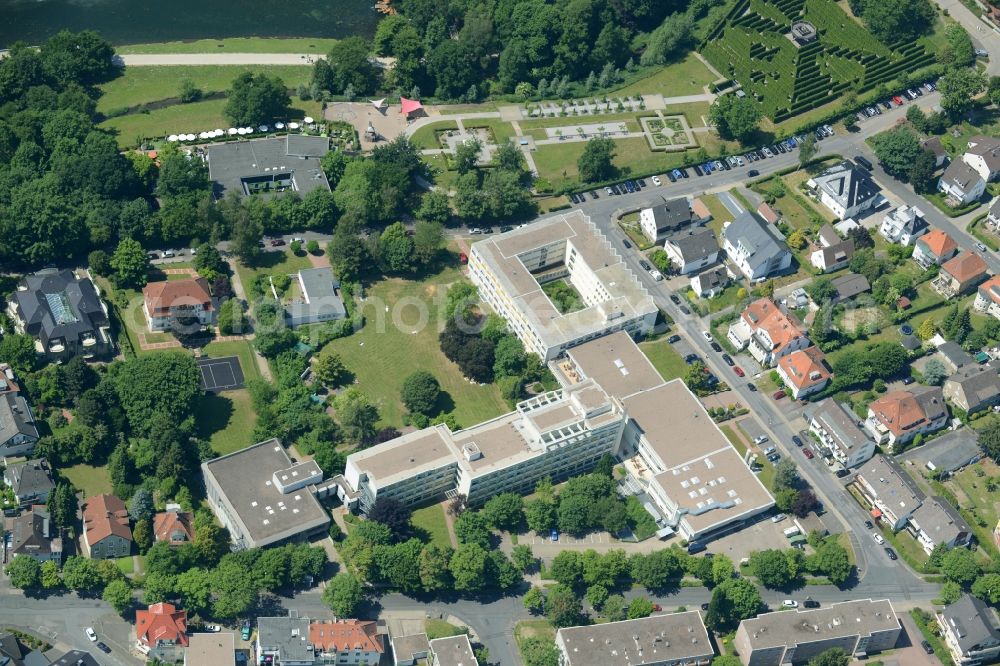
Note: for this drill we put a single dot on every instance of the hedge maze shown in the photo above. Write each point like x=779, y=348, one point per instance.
x=751, y=46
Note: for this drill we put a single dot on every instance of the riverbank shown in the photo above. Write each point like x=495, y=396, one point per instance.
x=307, y=45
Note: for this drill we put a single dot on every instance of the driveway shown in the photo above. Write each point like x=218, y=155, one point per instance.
x=982, y=33
x=908, y=651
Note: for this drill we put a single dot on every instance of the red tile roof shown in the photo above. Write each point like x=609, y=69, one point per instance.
x=939, y=243
x=768, y=213
x=966, y=266
x=990, y=290
x=167, y=523
x=764, y=314
x=103, y=516
x=344, y=635
x=162, y=622
x=805, y=368
x=161, y=296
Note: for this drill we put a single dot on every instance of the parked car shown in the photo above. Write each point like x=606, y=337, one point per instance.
x=778, y=518
x=675, y=299
x=891, y=553
x=684, y=172
x=778, y=395
x=695, y=547
x=927, y=647
x=645, y=264
x=213, y=628
x=594, y=195
x=841, y=473
x=808, y=453
x=656, y=181
x=704, y=607
x=169, y=253
x=554, y=535
x=774, y=457
x=685, y=310
x=91, y=634
x=671, y=177
x=753, y=173
x=505, y=228
x=298, y=239
x=628, y=187
x=275, y=242
x=102, y=646
x=463, y=258
x=627, y=243
x=752, y=387
x=691, y=358
x=980, y=247
x=761, y=439
x=864, y=161
x=609, y=191
x=153, y=255
x=789, y=603
x=674, y=338
x=739, y=371
x=716, y=347
x=797, y=441
x=707, y=335
x=878, y=538
x=767, y=152
x=728, y=360
x=810, y=603
x=697, y=170
x=898, y=100
x=245, y=632
x=869, y=525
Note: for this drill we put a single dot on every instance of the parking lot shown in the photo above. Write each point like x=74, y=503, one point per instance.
x=761, y=535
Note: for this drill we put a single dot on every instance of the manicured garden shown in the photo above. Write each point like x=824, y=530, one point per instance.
x=430, y=523
x=88, y=480
x=426, y=138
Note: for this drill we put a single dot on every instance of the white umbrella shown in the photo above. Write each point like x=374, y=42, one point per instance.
x=293, y=125
x=204, y=135
x=172, y=138
x=241, y=131
x=249, y=130
x=219, y=132
x=191, y=137
x=264, y=128
x=279, y=125
x=232, y=131
x=308, y=120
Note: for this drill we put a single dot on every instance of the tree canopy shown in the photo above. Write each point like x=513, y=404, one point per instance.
x=256, y=98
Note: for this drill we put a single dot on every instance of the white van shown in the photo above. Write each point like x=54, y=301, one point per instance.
x=878, y=538
x=789, y=532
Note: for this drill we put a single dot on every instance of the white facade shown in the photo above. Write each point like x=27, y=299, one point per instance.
x=903, y=225
x=760, y=343
x=965, y=190
x=166, y=321
x=840, y=435
x=648, y=224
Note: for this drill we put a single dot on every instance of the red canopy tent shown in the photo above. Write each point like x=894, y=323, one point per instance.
x=409, y=106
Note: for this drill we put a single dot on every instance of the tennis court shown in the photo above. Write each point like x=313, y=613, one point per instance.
x=221, y=374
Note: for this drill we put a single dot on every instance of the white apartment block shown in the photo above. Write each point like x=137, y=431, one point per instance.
x=511, y=268
x=841, y=434
x=903, y=225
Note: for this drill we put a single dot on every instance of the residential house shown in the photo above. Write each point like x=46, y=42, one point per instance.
x=859, y=628
x=993, y=216
x=13, y=653
x=710, y=282
x=755, y=246
x=64, y=314
x=888, y=490
x=848, y=286
x=805, y=371
x=988, y=297
x=846, y=190
x=832, y=252
x=840, y=433
x=898, y=417
x=174, y=526
x=935, y=522
x=935, y=247
x=34, y=535
x=350, y=642
x=660, y=640
x=766, y=332
x=961, y=184
x=767, y=213
x=106, y=532
x=31, y=481
x=18, y=432
x=903, y=225
x=954, y=451
x=970, y=630
x=409, y=650
x=665, y=219
x=178, y=305
x=319, y=298
x=692, y=250
x=161, y=631
x=974, y=388
x=960, y=274
x=933, y=145
x=452, y=651
x=983, y=155
x=216, y=648
x=699, y=211
x=76, y=658
x=953, y=356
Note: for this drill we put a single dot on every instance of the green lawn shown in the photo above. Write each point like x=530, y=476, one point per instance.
x=557, y=162
x=394, y=344
x=685, y=77
x=426, y=137
x=667, y=362
x=693, y=111
x=235, y=45
x=126, y=565
x=441, y=629
x=272, y=263
x=87, y=479
x=502, y=130
x=141, y=85
x=431, y=521
x=227, y=420
x=720, y=214
x=195, y=117
x=973, y=497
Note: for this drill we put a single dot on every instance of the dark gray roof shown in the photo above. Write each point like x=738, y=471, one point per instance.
x=979, y=383
x=953, y=352
x=695, y=244
x=961, y=174
x=846, y=184
x=15, y=418
x=55, y=304
x=972, y=622
x=714, y=277
x=954, y=450
x=36, y=658
x=671, y=216
x=757, y=236
x=230, y=163
x=32, y=478
x=995, y=208
x=940, y=521
x=10, y=646
x=931, y=400
x=34, y=534
x=842, y=424
x=289, y=636
x=76, y=658
x=911, y=342
x=850, y=285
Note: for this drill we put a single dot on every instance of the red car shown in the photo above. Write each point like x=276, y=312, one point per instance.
x=778, y=395
x=739, y=371
x=898, y=100
x=463, y=258
x=808, y=453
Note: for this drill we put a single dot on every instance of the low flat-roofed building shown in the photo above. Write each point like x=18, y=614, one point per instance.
x=953, y=451
x=860, y=628
x=211, y=649
x=262, y=498
x=840, y=433
x=660, y=640
x=509, y=270
x=319, y=298
x=453, y=651
x=970, y=631
x=269, y=166
x=407, y=650
x=284, y=640
x=936, y=521
x=889, y=490
x=615, y=362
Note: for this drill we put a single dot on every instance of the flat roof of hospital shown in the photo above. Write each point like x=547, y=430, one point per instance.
x=616, y=363
x=502, y=256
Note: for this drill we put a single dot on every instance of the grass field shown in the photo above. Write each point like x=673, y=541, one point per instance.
x=235, y=45
x=557, y=162
x=87, y=479
x=395, y=343
x=440, y=629
x=141, y=85
x=431, y=521
x=426, y=138
x=240, y=348
x=534, y=628
x=195, y=117
x=663, y=357
x=685, y=77
x=126, y=565
x=693, y=111
x=272, y=263
x=227, y=420
x=502, y=130
x=973, y=497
